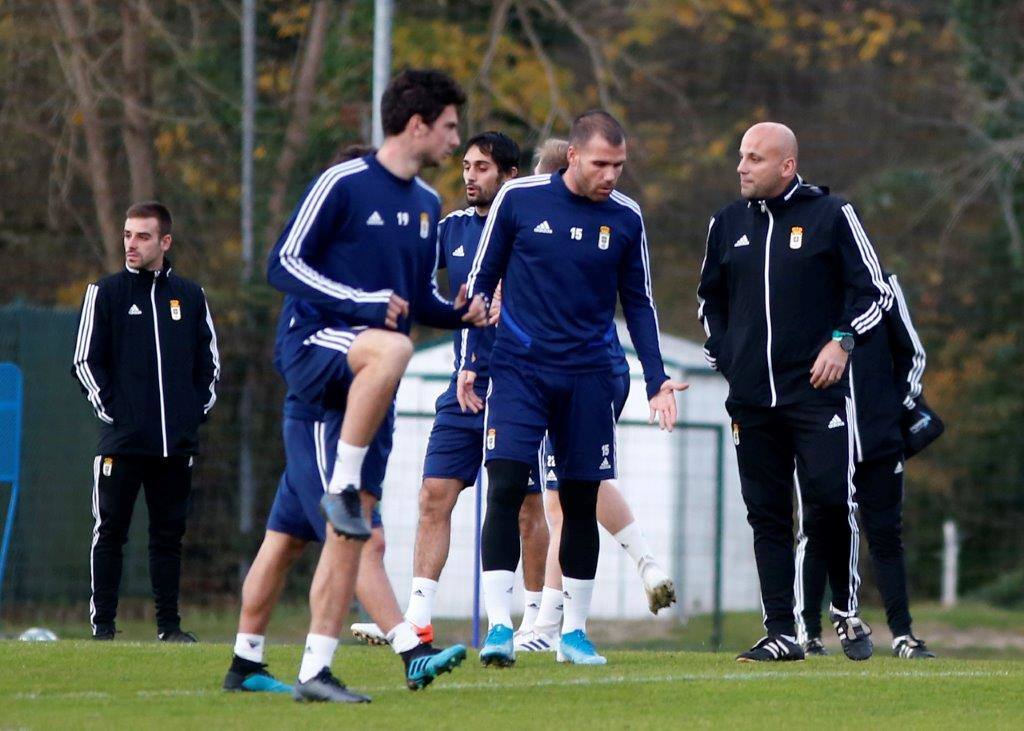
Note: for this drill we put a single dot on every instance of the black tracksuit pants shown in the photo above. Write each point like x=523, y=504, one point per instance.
x=814, y=437
x=879, y=495
x=116, y=481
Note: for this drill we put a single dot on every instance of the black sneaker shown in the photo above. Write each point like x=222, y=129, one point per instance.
x=344, y=512
x=909, y=647
x=252, y=677
x=104, y=633
x=325, y=688
x=814, y=646
x=773, y=648
x=854, y=634
x=177, y=635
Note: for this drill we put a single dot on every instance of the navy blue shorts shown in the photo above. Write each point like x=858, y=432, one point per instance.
x=310, y=447
x=548, y=456
x=318, y=371
x=455, y=449
x=577, y=410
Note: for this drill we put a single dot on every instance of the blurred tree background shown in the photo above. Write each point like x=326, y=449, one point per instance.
x=915, y=110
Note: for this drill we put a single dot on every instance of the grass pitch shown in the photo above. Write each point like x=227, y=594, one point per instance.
x=83, y=684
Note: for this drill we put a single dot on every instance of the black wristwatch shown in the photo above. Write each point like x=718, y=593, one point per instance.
x=845, y=340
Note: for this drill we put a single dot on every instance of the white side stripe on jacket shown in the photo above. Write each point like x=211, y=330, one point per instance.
x=919, y=359
x=214, y=355
x=873, y=316
x=81, y=363
x=632, y=205
x=485, y=236
x=291, y=252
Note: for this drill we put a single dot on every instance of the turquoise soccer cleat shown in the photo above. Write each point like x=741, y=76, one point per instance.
x=422, y=670
x=575, y=648
x=253, y=678
x=498, y=647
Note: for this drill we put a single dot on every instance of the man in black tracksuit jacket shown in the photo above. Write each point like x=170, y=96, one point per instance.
x=789, y=283
x=885, y=374
x=146, y=358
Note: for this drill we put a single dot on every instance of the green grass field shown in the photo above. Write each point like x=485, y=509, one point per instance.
x=80, y=684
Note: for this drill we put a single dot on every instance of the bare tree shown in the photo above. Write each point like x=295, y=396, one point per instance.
x=138, y=136
x=75, y=63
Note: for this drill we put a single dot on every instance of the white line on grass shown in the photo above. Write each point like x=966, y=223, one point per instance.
x=567, y=682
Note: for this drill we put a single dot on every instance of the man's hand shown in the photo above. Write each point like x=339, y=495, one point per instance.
x=829, y=366
x=460, y=298
x=476, y=315
x=663, y=405
x=397, y=307
x=468, y=400
x=492, y=319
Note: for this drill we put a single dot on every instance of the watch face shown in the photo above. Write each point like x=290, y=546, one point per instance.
x=847, y=343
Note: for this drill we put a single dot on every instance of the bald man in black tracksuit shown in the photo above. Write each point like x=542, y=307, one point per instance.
x=790, y=283
x=885, y=382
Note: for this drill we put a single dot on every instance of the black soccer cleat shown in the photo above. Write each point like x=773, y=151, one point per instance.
x=814, y=646
x=178, y=636
x=325, y=688
x=909, y=647
x=854, y=634
x=104, y=633
x=252, y=677
x=344, y=512
x=773, y=648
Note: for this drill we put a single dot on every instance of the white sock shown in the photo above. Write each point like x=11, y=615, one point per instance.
x=497, y=587
x=632, y=540
x=576, y=594
x=421, y=601
x=249, y=647
x=550, y=615
x=318, y=655
x=530, y=610
x=403, y=638
x=348, y=467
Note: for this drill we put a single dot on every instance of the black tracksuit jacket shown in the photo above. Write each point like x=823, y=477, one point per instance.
x=146, y=358
x=778, y=278
x=885, y=378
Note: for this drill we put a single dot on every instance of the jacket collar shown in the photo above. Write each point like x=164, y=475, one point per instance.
x=796, y=190
x=146, y=274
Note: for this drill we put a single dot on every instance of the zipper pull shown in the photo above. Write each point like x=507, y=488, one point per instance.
x=764, y=207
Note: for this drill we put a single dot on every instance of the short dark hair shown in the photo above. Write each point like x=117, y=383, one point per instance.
x=425, y=92
x=151, y=209
x=596, y=121
x=352, y=152
x=499, y=146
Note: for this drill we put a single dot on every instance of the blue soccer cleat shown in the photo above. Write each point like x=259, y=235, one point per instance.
x=578, y=650
x=498, y=648
x=252, y=677
x=422, y=670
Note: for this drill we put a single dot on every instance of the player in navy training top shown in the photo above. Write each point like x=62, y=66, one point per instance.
x=357, y=262
x=540, y=626
x=566, y=247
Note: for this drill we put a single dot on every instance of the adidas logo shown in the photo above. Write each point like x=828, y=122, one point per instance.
x=252, y=643
x=459, y=252
x=836, y=422
x=509, y=590
x=899, y=469
x=605, y=464
x=550, y=477
x=135, y=310
x=530, y=482
x=742, y=241
x=543, y=228
x=418, y=592
x=375, y=220
x=533, y=605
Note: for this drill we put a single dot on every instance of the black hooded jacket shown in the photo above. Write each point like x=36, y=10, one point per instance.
x=146, y=358
x=779, y=277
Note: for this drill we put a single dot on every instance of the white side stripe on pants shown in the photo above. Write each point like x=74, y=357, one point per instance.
x=851, y=505
x=798, y=575
x=95, y=539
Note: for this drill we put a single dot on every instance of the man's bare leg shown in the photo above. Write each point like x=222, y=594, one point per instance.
x=533, y=529
x=262, y=589
x=433, y=541
x=377, y=359
x=330, y=596
x=614, y=514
